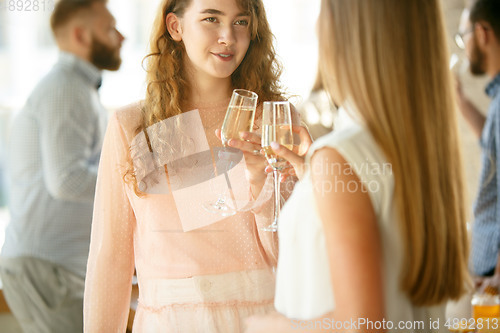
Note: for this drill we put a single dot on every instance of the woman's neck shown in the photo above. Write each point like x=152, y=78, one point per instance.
x=210, y=94
x=209, y=90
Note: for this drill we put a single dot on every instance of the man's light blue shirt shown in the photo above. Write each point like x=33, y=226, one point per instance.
x=486, y=227
x=53, y=154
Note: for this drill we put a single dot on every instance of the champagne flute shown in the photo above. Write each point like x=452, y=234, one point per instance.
x=239, y=117
x=276, y=127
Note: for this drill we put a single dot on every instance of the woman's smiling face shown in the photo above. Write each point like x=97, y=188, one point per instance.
x=216, y=36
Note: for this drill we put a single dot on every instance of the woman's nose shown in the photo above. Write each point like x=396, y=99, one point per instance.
x=226, y=35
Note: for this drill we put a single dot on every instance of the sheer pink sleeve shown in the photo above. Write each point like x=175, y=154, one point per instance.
x=264, y=211
x=111, y=259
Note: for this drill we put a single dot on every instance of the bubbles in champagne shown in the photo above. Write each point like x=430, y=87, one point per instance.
x=238, y=119
x=281, y=134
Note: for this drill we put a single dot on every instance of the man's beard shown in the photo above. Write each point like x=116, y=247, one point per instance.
x=104, y=56
x=476, y=60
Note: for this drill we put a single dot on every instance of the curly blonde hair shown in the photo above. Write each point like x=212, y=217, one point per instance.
x=167, y=84
x=166, y=79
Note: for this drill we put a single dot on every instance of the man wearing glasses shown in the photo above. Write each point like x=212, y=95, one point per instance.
x=479, y=36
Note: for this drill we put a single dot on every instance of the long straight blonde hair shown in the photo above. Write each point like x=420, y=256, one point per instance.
x=389, y=59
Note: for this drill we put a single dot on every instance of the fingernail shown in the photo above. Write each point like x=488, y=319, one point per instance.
x=275, y=145
x=243, y=135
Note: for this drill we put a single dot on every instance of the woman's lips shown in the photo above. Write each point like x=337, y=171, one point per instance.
x=224, y=56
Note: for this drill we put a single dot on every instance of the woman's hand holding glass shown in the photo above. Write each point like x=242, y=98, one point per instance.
x=276, y=127
x=249, y=144
x=294, y=157
x=239, y=118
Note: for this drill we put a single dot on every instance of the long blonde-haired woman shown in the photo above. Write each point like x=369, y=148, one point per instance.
x=374, y=234
x=197, y=271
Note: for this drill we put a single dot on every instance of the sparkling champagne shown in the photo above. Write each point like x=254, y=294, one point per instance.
x=238, y=119
x=281, y=134
x=276, y=127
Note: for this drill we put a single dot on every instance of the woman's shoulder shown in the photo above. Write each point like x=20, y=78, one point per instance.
x=130, y=114
x=352, y=148
x=354, y=142
x=347, y=132
x=129, y=118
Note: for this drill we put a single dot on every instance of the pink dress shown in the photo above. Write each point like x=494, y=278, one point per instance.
x=197, y=271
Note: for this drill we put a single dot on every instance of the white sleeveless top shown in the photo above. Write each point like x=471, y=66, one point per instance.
x=303, y=286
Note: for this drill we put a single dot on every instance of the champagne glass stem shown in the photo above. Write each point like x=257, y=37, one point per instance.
x=230, y=188
x=277, y=199
x=221, y=206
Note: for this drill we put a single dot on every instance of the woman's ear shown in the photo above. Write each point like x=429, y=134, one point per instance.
x=174, y=27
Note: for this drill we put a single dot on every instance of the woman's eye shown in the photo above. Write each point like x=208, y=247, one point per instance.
x=211, y=19
x=242, y=22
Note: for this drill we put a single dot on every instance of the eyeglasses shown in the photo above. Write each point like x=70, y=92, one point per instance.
x=459, y=37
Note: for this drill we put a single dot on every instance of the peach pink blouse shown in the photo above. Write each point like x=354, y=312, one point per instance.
x=197, y=271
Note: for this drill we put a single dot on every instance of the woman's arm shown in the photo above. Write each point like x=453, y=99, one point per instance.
x=352, y=239
x=111, y=259
x=354, y=248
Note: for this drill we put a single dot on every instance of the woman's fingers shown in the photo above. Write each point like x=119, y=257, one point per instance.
x=287, y=154
x=245, y=146
x=302, y=132
x=305, y=139
x=297, y=161
x=250, y=142
x=249, y=136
